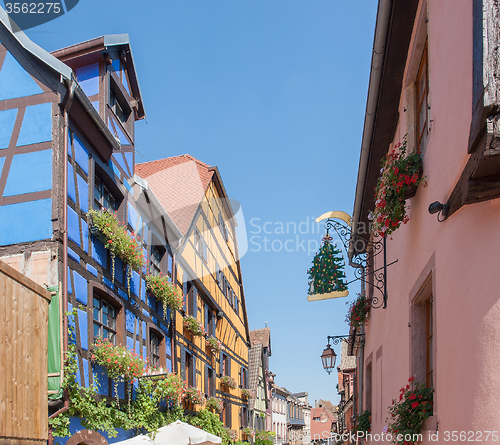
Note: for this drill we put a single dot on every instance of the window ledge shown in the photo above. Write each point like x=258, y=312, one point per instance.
x=430, y=424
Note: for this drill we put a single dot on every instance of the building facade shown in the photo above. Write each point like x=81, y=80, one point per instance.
x=67, y=146
x=295, y=419
x=259, y=401
x=263, y=337
x=279, y=416
x=306, y=410
x=208, y=270
x=435, y=82
x=346, y=389
x=323, y=424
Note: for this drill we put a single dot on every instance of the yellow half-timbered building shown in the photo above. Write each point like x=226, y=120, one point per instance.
x=207, y=269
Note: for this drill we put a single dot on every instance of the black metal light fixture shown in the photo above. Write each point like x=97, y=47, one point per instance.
x=328, y=357
x=440, y=209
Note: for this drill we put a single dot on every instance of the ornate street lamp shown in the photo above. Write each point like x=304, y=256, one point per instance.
x=328, y=357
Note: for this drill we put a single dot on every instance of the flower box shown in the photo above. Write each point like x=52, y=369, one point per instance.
x=194, y=396
x=115, y=237
x=413, y=187
x=357, y=315
x=409, y=412
x=214, y=345
x=120, y=363
x=194, y=326
x=228, y=382
x=96, y=233
x=231, y=434
x=400, y=175
x=215, y=404
x=163, y=290
x=246, y=393
x=248, y=433
x=368, y=304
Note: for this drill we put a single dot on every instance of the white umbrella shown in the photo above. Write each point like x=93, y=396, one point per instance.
x=137, y=440
x=177, y=433
x=180, y=433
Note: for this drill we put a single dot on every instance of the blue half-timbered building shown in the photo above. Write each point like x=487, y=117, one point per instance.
x=67, y=145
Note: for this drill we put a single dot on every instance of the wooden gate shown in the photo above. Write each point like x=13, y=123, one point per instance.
x=23, y=358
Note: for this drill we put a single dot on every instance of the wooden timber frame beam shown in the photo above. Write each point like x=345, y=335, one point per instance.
x=480, y=178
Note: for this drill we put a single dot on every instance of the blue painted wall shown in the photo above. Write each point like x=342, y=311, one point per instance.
x=37, y=125
x=20, y=219
x=88, y=78
x=29, y=172
x=15, y=81
x=7, y=120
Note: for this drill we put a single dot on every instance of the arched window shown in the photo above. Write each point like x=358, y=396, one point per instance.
x=107, y=315
x=157, y=351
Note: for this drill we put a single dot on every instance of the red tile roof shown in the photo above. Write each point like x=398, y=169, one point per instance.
x=179, y=183
x=321, y=423
x=262, y=336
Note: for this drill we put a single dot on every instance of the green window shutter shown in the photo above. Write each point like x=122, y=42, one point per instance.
x=54, y=361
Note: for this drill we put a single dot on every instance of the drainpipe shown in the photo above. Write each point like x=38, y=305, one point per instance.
x=361, y=362
x=65, y=105
x=378, y=53
x=173, y=323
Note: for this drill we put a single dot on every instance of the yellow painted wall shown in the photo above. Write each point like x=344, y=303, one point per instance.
x=231, y=329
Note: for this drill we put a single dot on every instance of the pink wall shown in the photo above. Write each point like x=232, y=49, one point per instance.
x=466, y=250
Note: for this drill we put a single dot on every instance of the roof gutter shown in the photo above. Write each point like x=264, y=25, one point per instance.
x=378, y=54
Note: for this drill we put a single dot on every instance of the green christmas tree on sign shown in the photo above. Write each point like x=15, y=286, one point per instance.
x=327, y=272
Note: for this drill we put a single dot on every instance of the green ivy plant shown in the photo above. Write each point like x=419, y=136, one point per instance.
x=84, y=402
x=143, y=413
x=211, y=423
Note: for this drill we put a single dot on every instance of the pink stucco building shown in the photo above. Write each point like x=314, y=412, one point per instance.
x=435, y=78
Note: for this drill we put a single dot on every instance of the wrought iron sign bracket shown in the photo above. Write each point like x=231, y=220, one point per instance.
x=357, y=339
x=364, y=263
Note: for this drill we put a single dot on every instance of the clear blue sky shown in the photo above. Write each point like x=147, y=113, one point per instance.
x=273, y=92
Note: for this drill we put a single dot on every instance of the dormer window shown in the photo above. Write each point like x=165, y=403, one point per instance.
x=117, y=108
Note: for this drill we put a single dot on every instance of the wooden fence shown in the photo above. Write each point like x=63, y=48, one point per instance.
x=23, y=359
